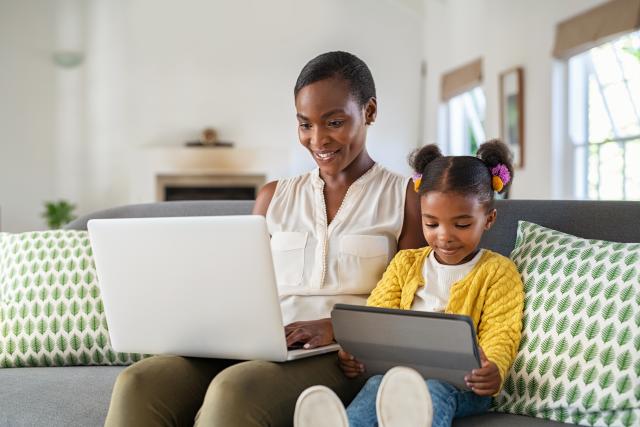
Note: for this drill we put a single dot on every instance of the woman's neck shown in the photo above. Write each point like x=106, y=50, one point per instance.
x=361, y=164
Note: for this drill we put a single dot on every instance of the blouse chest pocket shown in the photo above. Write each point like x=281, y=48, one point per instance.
x=362, y=261
x=287, y=248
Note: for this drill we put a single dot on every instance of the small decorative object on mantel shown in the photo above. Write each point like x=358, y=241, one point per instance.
x=209, y=138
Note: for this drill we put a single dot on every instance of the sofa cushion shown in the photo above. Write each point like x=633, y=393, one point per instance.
x=56, y=397
x=51, y=313
x=579, y=359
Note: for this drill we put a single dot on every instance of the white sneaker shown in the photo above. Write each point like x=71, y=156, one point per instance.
x=319, y=406
x=403, y=399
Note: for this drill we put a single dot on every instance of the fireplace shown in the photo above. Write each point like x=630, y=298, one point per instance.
x=208, y=186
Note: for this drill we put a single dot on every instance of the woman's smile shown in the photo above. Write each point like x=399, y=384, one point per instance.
x=325, y=156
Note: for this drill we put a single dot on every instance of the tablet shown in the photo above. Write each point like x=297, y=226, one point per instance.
x=439, y=346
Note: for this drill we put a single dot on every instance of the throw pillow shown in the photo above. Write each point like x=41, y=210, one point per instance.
x=579, y=359
x=51, y=313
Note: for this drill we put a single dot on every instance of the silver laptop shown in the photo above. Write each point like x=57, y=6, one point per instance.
x=191, y=286
x=439, y=346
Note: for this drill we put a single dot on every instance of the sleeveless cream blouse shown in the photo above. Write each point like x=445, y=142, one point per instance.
x=318, y=264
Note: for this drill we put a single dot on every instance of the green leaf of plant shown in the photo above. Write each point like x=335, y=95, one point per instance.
x=558, y=368
x=589, y=375
x=558, y=392
x=625, y=313
x=573, y=394
x=589, y=400
x=544, y=390
x=607, y=356
x=545, y=365
x=608, y=333
x=547, y=345
x=548, y=322
x=532, y=387
x=574, y=371
x=592, y=330
x=606, y=403
x=624, y=336
x=624, y=360
x=569, y=269
x=561, y=346
x=623, y=384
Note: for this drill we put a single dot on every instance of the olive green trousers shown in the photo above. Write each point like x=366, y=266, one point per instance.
x=181, y=391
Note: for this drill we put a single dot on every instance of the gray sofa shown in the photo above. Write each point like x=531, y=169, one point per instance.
x=79, y=396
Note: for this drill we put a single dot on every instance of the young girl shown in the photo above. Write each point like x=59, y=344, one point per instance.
x=452, y=275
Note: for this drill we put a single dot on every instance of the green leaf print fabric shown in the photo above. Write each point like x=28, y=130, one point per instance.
x=51, y=313
x=579, y=359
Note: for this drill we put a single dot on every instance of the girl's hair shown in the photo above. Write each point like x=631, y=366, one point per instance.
x=341, y=65
x=465, y=175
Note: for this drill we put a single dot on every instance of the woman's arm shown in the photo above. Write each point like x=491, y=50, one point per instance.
x=263, y=200
x=411, y=236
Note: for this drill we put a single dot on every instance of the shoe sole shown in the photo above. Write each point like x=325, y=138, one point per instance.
x=319, y=406
x=403, y=399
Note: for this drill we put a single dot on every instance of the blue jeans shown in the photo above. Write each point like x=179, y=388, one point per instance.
x=449, y=402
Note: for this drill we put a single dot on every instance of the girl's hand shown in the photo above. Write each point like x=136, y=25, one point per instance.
x=309, y=333
x=349, y=365
x=486, y=380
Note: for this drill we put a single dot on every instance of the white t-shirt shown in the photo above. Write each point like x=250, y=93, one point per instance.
x=438, y=280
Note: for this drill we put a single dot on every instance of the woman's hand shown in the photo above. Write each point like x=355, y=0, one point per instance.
x=309, y=333
x=350, y=365
x=486, y=380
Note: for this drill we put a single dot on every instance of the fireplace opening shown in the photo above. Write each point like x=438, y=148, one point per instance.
x=207, y=186
x=209, y=193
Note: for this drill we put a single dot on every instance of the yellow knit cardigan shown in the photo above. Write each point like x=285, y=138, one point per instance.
x=491, y=294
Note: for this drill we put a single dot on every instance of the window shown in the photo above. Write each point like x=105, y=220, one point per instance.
x=462, y=122
x=604, y=120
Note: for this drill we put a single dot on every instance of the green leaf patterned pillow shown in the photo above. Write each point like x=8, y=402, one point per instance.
x=51, y=313
x=579, y=359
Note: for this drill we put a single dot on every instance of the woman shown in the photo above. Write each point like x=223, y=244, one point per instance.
x=333, y=230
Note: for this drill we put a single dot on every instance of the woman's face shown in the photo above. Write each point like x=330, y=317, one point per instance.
x=332, y=124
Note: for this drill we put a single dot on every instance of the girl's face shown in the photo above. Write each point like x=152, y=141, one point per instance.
x=453, y=225
x=332, y=124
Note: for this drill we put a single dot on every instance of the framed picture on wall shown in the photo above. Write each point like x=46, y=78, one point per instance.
x=512, y=113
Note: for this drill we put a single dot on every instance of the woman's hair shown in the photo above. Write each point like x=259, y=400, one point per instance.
x=465, y=175
x=341, y=65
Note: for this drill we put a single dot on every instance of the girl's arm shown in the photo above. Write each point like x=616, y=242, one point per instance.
x=500, y=325
x=388, y=291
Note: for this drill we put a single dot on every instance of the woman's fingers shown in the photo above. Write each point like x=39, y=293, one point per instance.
x=296, y=336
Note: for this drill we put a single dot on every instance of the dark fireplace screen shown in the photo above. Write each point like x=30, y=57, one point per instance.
x=209, y=193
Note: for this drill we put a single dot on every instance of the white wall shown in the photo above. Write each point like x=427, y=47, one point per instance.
x=505, y=33
x=156, y=73
x=177, y=67
x=27, y=112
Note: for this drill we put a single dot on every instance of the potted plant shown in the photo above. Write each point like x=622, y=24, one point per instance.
x=58, y=213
